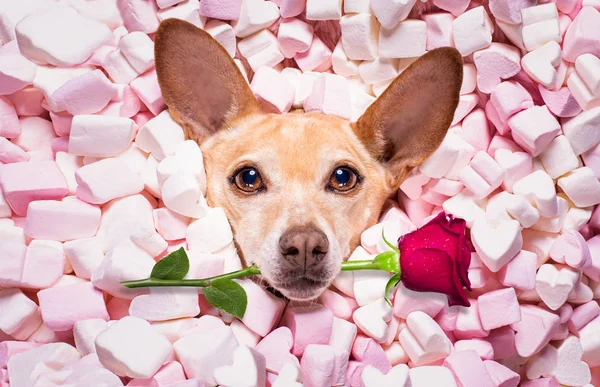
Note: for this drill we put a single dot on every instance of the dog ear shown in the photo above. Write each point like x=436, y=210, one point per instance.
x=200, y=83
x=410, y=119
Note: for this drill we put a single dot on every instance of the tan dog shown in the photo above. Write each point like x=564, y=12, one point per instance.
x=299, y=188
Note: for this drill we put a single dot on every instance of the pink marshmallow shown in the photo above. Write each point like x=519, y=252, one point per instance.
x=273, y=90
x=510, y=98
x=482, y=176
x=534, y=330
x=468, y=369
x=218, y=9
x=169, y=373
x=309, y=325
x=406, y=40
x=63, y=306
x=439, y=30
x=455, y=7
x=561, y=103
x=503, y=342
x=538, y=118
x=317, y=57
x=276, y=347
x=318, y=365
x=542, y=382
x=494, y=63
x=27, y=102
x=170, y=225
x=516, y=166
x=571, y=248
x=291, y=8
x=407, y=301
x=475, y=130
x=36, y=134
x=147, y=89
x=501, y=376
x=583, y=35
x=492, y=115
x=520, y=271
x=139, y=15
x=263, y=311
x=498, y=308
x=468, y=323
x=25, y=182
x=369, y=352
x=330, y=95
x=9, y=121
x=16, y=72
x=582, y=315
x=85, y=94
x=94, y=186
x=483, y=348
x=294, y=36
x=338, y=304
x=20, y=316
x=9, y=348
x=11, y=153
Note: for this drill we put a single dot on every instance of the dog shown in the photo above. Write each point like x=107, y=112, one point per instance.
x=300, y=188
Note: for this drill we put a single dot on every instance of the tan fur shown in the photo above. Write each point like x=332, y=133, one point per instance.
x=296, y=153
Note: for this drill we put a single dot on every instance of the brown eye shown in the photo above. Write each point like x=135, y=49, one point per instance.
x=248, y=180
x=343, y=179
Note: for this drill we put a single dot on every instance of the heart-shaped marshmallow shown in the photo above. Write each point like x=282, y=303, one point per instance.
x=397, y=377
x=554, y=283
x=496, y=244
x=534, y=331
x=255, y=16
x=494, y=63
x=248, y=369
x=288, y=376
x=541, y=64
x=543, y=363
x=276, y=347
x=570, y=248
x=570, y=370
x=373, y=319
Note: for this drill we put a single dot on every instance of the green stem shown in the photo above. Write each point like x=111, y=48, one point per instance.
x=252, y=270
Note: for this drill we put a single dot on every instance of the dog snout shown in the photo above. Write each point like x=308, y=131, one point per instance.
x=304, y=246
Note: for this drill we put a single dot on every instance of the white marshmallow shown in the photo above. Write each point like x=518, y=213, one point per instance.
x=372, y=319
x=360, y=34
x=212, y=232
x=540, y=25
x=160, y=136
x=165, y=304
x=100, y=136
x=223, y=33
x=248, y=369
x=390, y=13
x=423, y=339
x=85, y=333
x=588, y=68
x=496, y=244
x=583, y=130
x=581, y=186
x=138, y=48
x=324, y=9
x=553, y=284
x=559, y=158
x=406, y=40
x=538, y=189
x=472, y=31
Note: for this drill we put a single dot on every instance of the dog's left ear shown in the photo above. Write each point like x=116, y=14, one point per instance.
x=410, y=119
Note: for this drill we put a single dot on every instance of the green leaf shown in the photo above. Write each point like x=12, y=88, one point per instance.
x=227, y=295
x=172, y=267
x=391, y=246
x=391, y=284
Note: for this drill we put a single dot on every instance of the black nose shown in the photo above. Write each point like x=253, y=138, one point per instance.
x=304, y=245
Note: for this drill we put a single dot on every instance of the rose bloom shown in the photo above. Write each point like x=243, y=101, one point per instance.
x=435, y=258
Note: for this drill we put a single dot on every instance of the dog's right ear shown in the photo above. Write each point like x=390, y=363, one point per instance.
x=200, y=83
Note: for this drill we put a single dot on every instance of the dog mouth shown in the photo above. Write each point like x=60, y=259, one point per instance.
x=301, y=288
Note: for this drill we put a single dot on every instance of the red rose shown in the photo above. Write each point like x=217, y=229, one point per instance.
x=435, y=258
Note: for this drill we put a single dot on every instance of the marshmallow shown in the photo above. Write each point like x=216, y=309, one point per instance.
x=389, y=14
x=439, y=33
x=160, y=136
x=538, y=189
x=16, y=72
x=317, y=57
x=276, y=347
x=85, y=333
x=147, y=349
x=369, y=352
x=406, y=40
x=431, y=376
x=273, y=90
x=182, y=193
x=466, y=103
x=93, y=178
x=482, y=176
x=582, y=35
x=85, y=94
x=483, y=348
x=223, y=33
x=118, y=68
x=263, y=310
x=36, y=134
x=248, y=369
x=554, y=284
x=520, y=271
x=423, y=339
x=318, y=365
x=398, y=376
x=494, y=63
x=20, y=316
x=99, y=136
x=25, y=182
x=323, y=9
x=496, y=244
x=187, y=157
x=211, y=232
x=571, y=248
x=509, y=98
x=139, y=15
x=456, y=7
x=9, y=121
x=138, y=48
x=147, y=89
x=165, y=304
x=255, y=15
x=187, y=10
x=509, y=11
x=498, y=308
x=468, y=368
x=217, y=9
x=449, y=159
x=588, y=68
x=309, y=325
x=559, y=158
x=582, y=94
x=582, y=130
x=372, y=319
x=472, y=31
x=330, y=95
x=201, y=351
x=581, y=186
x=343, y=334
x=291, y=8
x=540, y=25
x=561, y=103
x=294, y=36
x=468, y=323
x=360, y=35
x=538, y=117
x=40, y=35
x=542, y=64
x=25, y=367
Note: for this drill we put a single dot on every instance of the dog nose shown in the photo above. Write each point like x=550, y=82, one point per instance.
x=304, y=245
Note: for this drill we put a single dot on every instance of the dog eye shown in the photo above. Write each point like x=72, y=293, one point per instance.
x=248, y=180
x=343, y=179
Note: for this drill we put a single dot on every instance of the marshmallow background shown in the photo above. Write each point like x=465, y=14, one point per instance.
x=98, y=182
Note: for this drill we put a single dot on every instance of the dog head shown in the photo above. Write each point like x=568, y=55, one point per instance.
x=299, y=188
